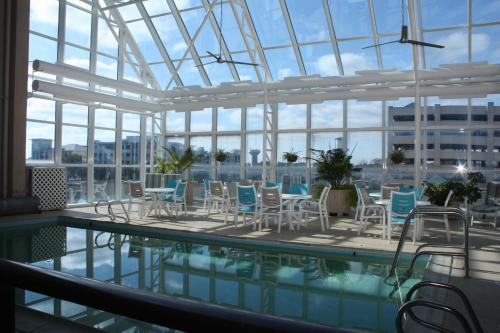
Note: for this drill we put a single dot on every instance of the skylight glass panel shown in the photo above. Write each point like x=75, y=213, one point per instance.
x=350, y=18
x=396, y=56
x=161, y=73
x=354, y=58
x=308, y=20
x=78, y=32
x=486, y=44
x=388, y=15
x=206, y=39
x=230, y=30
x=282, y=63
x=129, y=73
x=170, y=36
x=455, y=47
x=76, y=57
x=106, y=66
x=156, y=7
x=189, y=73
x=147, y=45
x=185, y=4
x=319, y=59
x=485, y=11
x=443, y=13
x=218, y=73
x=130, y=12
x=80, y=3
x=269, y=22
x=44, y=16
x=106, y=41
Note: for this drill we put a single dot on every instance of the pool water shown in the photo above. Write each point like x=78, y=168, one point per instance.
x=344, y=289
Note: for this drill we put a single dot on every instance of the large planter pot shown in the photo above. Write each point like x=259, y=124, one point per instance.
x=189, y=192
x=337, y=203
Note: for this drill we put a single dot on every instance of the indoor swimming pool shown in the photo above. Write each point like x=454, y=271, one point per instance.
x=333, y=287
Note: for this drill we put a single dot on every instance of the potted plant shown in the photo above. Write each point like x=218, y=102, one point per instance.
x=397, y=156
x=220, y=155
x=462, y=191
x=334, y=166
x=291, y=156
x=177, y=163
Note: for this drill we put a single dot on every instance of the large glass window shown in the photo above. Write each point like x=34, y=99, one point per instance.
x=292, y=116
x=201, y=121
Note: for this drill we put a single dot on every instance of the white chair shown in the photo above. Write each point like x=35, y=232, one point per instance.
x=136, y=195
x=357, y=213
x=369, y=211
x=271, y=205
x=230, y=199
x=444, y=218
x=319, y=208
x=216, y=195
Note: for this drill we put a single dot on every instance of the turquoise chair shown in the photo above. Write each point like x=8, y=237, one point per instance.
x=418, y=191
x=273, y=184
x=246, y=203
x=206, y=187
x=178, y=198
x=401, y=205
x=298, y=189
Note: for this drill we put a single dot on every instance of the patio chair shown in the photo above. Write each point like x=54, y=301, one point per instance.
x=231, y=198
x=257, y=184
x=357, y=186
x=245, y=182
x=170, y=180
x=274, y=184
x=271, y=205
x=369, y=210
x=298, y=189
x=444, y=218
x=177, y=199
x=216, y=195
x=206, y=188
x=319, y=208
x=136, y=195
x=246, y=203
x=153, y=180
x=401, y=205
x=386, y=191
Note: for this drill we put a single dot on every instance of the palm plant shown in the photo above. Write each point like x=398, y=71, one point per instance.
x=334, y=166
x=175, y=163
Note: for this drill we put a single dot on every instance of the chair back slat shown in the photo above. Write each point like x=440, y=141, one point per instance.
x=135, y=189
x=231, y=190
x=402, y=203
x=386, y=191
x=271, y=197
x=365, y=197
x=298, y=189
x=171, y=180
x=180, y=189
x=153, y=180
x=323, y=198
x=246, y=195
x=216, y=188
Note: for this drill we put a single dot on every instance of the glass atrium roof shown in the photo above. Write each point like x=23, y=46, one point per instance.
x=170, y=38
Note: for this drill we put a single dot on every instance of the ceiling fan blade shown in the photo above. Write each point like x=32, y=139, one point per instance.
x=211, y=62
x=212, y=55
x=240, y=63
x=416, y=42
x=394, y=41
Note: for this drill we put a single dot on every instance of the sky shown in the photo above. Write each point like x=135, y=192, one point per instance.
x=351, y=21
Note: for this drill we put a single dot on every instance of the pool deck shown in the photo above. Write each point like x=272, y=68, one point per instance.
x=343, y=233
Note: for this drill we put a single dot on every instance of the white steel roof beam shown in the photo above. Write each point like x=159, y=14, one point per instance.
x=190, y=42
x=333, y=37
x=375, y=33
x=159, y=43
x=293, y=37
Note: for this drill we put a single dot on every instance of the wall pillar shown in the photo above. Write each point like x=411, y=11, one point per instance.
x=14, y=38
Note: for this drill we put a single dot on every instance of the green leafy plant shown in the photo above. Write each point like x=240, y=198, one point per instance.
x=333, y=166
x=220, y=155
x=437, y=193
x=175, y=163
x=397, y=156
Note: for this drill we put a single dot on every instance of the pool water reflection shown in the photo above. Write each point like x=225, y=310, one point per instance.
x=336, y=290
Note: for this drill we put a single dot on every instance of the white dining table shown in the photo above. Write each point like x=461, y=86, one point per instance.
x=419, y=222
x=292, y=200
x=156, y=193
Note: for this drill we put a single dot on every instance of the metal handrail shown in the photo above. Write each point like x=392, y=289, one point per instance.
x=460, y=293
x=111, y=215
x=432, y=210
x=415, y=303
x=168, y=311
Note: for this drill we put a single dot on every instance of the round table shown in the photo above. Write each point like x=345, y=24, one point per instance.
x=156, y=193
x=292, y=200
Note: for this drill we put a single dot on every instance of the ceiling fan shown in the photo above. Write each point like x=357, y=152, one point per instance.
x=404, y=35
x=218, y=58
